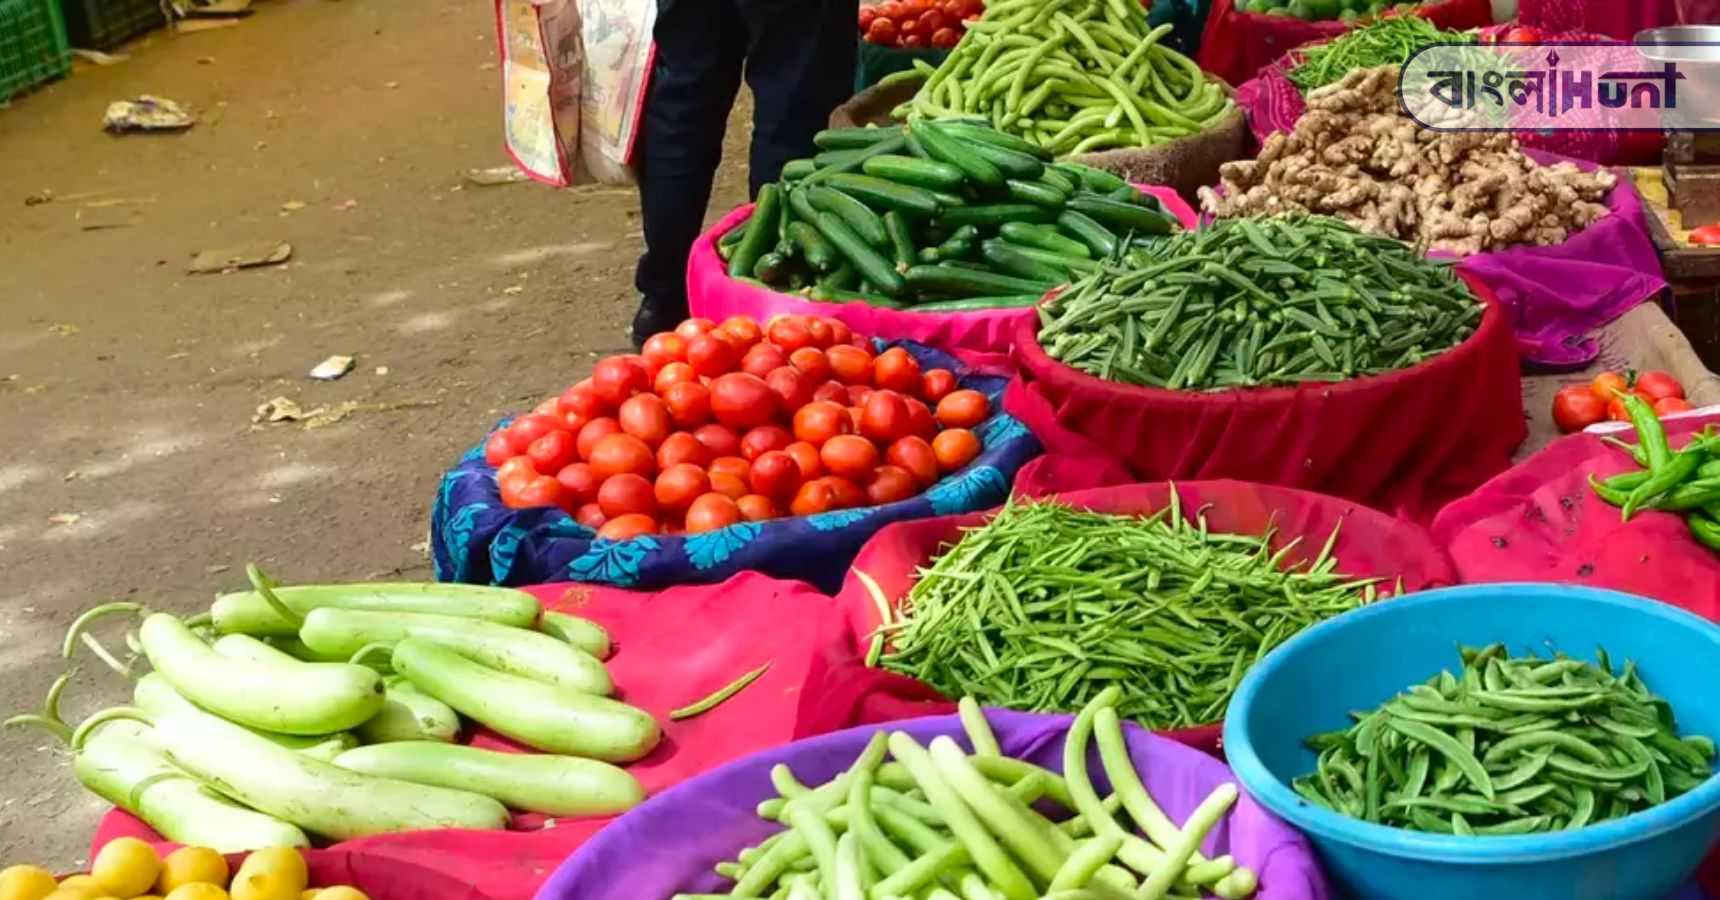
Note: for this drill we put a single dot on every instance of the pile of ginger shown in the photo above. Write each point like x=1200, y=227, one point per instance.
x=1353, y=155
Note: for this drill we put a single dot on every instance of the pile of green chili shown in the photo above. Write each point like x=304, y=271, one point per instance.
x=1045, y=606
x=1512, y=745
x=1248, y=302
x=1686, y=482
x=1389, y=41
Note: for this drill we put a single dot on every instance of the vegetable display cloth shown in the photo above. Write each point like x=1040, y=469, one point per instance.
x=711, y=293
x=475, y=539
x=672, y=649
x=1236, y=45
x=1405, y=442
x=670, y=843
x=842, y=691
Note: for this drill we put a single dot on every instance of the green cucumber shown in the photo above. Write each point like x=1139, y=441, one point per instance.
x=887, y=195
x=761, y=231
x=1120, y=216
x=1128, y=193
x=1037, y=193
x=966, y=282
x=848, y=296
x=409, y=714
x=839, y=158
x=1098, y=238
x=1096, y=180
x=1008, y=301
x=552, y=785
x=922, y=173
x=948, y=200
x=986, y=135
x=771, y=268
x=1043, y=238
x=812, y=246
x=580, y=632
x=966, y=264
x=1007, y=260
x=1066, y=262
x=943, y=148
x=246, y=612
x=872, y=266
x=849, y=164
x=994, y=215
x=852, y=138
x=856, y=215
x=798, y=169
x=901, y=239
x=843, y=277
x=155, y=696
x=1013, y=165
x=1059, y=180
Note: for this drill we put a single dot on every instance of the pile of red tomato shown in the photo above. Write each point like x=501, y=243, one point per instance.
x=716, y=424
x=1578, y=406
x=918, y=23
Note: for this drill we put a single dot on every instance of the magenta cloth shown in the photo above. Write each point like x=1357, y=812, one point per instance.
x=1540, y=521
x=711, y=293
x=669, y=844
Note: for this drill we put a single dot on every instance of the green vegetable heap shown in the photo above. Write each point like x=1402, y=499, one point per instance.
x=1391, y=41
x=1686, y=481
x=1045, y=606
x=1251, y=302
x=1519, y=745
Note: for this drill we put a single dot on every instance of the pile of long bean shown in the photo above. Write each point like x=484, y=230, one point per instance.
x=1045, y=606
x=1072, y=77
x=1390, y=41
x=1686, y=482
x=1248, y=302
x=937, y=821
x=1519, y=745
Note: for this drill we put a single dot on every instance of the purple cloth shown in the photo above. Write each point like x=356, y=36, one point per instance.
x=670, y=843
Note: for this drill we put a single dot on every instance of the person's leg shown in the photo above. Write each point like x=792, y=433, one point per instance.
x=800, y=66
x=693, y=84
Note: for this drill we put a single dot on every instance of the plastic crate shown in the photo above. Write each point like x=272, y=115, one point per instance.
x=106, y=24
x=33, y=46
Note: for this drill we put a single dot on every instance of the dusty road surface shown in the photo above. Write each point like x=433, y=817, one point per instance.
x=129, y=464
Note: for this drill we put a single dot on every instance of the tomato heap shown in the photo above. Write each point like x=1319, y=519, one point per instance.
x=1578, y=406
x=716, y=424
x=918, y=23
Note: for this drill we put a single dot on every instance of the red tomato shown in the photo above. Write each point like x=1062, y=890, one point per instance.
x=550, y=406
x=730, y=486
x=854, y=416
x=497, y=449
x=590, y=515
x=710, y=355
x=1707, y=235
x=885, y=417
x=582, y=398
x=789, y=332
x=719, y=440
x=813, y=497
x=732, y=465
x=617, y=378
x=594, y=431
x=1659, y=385
x=819, y=330
x=954, y=10
x=935, y=384
x=857, y=394
x=710, y=512
x=553, y=452
x=897, y=370
x=742, y=331
x=914, y=8
x=819, y=421
x=646, y=417
x=831, y=391
x=850, y=365
x=963, y=409
x=806, y=456
x=672, y=374
x=528, y=428
x=920, y=419
x=1607, y=385
x=840, y=333
x=915, y=454
x=763, y=359
x=946, y=38
x=689, y=403
x=1616, y=411
x=739, y=400
x=579, y=483
x=845, y=494
x=573, y=421
x=664, y=348
x=931, y=20
x=890, y=9
x=757, y=507
x=678, y=486
x=1576, y=407
x=681, y=447
x=776, y=475
x=791, y=387
x=912, y=41
x=763, y=439
x=849, y=456
x=543, y=490
x=811, y=362
x=890, y=484
x=626, y=527
x=954, y=448
x=513, y=474
x=1666, y=406
x=867, y=14
x=692, y=328
x=620, y=454
x=626, y=493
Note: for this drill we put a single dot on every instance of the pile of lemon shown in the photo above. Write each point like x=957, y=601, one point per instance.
x=129, y=869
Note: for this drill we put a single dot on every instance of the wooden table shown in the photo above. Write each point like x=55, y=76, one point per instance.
x=1693, y=272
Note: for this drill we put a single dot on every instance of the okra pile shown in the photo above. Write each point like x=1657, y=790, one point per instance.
x=1248, y=302
x=1073, y=77
x=936, y=217
x=1511, y=745
x=1045, y=606
x=1686, y=482
x=906, y=820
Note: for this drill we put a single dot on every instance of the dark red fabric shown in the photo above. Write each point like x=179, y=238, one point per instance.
x=1237, y=45
x=1619, y=20
x=1405, y=442
x=672, y=648
x=842, y=691
x=1540, y=521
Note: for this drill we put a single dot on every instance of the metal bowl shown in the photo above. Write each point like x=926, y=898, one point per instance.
x=1681, y=43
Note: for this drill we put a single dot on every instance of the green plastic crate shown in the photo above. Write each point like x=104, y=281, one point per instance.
x=106, y=24
x=33, y=46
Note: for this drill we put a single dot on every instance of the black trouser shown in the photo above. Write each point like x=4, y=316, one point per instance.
x=798, y=57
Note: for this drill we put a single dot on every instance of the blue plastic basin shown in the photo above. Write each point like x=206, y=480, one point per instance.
x=1360, y=659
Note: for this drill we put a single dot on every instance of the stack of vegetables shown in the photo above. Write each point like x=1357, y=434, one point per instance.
x=1072, y=78
x=912, y=24
x=937, y=216
x=127, y=867
x=331, y=711
x=1686, y=482
x=1390, y=41
x=1578, y=406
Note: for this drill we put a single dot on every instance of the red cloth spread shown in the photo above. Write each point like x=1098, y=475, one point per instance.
x=1236, y=45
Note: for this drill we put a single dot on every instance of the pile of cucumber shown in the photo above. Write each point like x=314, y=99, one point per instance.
x=935, y=216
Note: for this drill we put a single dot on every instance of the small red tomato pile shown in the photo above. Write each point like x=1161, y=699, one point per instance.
x=1578, y=406
x=716, y=424
x=918, y=23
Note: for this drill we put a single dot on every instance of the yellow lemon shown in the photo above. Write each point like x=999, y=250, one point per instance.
x=26, y=883
x=309, y=893
x=126, y=867
x=283, y=865
x=341, y=892
x=192, y=865
x=79, y=887
x=198, y=890
x=264, y=886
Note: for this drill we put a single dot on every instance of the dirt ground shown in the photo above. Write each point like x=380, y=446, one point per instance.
x=129, y=464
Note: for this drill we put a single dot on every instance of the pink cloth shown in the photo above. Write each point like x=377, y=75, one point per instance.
x=711, y=293
x=1620, y=19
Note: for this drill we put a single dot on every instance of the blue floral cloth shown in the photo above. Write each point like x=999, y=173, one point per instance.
x=475, y=539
